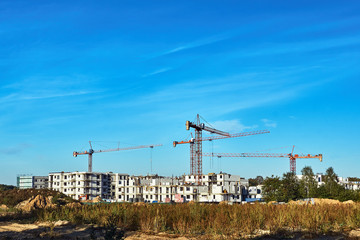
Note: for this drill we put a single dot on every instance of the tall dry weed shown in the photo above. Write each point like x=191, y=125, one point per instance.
x=212, y=219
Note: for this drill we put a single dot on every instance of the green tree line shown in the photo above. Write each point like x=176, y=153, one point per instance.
x=289, y=187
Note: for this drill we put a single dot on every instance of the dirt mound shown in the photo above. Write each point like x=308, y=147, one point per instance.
x=326, y=201
x=4, y=207
x=97, y=199
x=73, y=205
x=35, y=202
x=140, y=204
x=300, y=202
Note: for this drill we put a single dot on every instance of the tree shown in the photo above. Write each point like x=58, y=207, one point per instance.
x=272, y=189
x=259, y=180
x=290, y=187
x=331, y=183
x=308, y=183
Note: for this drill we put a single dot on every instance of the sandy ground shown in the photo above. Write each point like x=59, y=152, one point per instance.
x=64, y=230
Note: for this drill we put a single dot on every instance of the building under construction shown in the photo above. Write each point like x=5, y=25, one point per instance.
x=119, y=187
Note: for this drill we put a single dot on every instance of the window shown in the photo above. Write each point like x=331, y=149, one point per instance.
x=220, y=176
x=147, y=196
x=65, y=184
x=127, y=190
x=187, y=196
x=181, y=188
x=187, y=188
x=65, y=177
x=119, y=196
x=119, y=182
x=150, y=196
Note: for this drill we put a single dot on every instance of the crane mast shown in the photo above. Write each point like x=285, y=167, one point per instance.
x=196, y=144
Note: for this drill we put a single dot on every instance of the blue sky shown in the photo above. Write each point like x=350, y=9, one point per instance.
x=135, y=71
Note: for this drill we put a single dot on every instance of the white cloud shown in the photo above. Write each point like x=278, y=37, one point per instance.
x=269, y=123
x=162, y=70
x=231, y=126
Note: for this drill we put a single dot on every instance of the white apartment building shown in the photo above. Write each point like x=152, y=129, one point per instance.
x=351, y=183
x=78, y=184
x=255, y=193
x=125, y=188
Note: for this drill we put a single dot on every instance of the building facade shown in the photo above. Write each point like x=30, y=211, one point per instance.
x=28, y=181
x=119, y=187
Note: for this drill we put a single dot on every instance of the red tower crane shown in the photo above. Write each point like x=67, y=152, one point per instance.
x=291, y=156
x=92, y=151
x=196, y=144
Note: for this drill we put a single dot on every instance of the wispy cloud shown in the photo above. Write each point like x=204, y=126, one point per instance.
x=162, y=70
x=23, y=97
x=38, y=88
x=269, y=123
x=301, y=46
x=198, y=43
x=232, y=126
x=14, y=149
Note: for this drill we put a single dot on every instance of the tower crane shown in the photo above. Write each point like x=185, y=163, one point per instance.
x=91, y=151
x=291, y=156
x=196, y=143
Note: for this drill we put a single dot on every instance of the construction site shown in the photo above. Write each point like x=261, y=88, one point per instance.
x=193, y=187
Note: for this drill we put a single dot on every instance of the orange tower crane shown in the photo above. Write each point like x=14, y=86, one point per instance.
x=291, y=156
x=92, y=151
x=196, y=143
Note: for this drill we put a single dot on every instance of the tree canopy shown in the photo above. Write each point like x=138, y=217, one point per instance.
x=290, y=187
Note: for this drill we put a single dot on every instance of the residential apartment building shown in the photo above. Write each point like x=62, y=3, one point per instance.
x=78, y=184
x=28, y=181
x=254, y=193
x=153, y=188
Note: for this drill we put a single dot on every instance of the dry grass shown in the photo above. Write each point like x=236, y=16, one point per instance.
x=230, y=221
